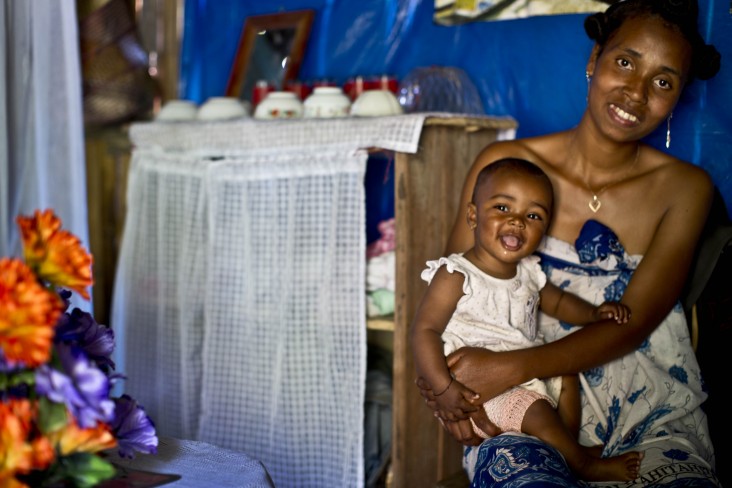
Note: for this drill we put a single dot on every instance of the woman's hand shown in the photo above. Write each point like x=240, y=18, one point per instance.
x=488, y=373
x=462, y=431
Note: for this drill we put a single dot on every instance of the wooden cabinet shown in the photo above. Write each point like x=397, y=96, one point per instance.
x=427, y=190
x=427, y=186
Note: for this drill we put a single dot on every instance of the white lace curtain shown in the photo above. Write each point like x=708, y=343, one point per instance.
x=231, y=305
x=41, y=122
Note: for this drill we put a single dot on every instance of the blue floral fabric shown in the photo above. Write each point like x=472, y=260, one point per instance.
x=517, y=460
x=648, y=400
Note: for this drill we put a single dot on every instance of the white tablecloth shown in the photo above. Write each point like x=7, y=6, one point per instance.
x=199, y=464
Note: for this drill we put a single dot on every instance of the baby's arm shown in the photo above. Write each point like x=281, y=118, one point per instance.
x=431, y=318
x=455, y=402
x=572, y=309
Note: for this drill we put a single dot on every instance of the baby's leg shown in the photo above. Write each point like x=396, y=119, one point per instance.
x=543, y=421
x=569, y=406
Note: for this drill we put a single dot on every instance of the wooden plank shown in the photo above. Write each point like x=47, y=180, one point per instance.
x=107, y=155
x=427, y=186
x=471, y=124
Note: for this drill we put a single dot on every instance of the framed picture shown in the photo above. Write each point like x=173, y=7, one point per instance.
x=452, y=12
x=271, y=48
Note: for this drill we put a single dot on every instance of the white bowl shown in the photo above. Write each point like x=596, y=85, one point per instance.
x=375, y=103
x=279, y=105
x=177, y=110
x=221, y=108
x=326, y=102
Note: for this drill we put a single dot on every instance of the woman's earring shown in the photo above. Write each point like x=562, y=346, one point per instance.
x=588, y=77
x=668, y=130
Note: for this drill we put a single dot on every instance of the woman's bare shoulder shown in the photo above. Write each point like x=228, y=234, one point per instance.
x=678, y=177
x=532, y=149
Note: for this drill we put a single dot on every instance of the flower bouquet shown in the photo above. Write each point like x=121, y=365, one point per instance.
x=56, y=372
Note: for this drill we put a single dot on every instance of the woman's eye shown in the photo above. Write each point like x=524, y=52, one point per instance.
x=664, y=84
x=623, y=63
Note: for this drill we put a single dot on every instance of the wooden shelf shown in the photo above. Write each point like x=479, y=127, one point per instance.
x=381, y=323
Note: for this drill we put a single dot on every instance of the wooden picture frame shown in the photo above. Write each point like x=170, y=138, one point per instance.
x=294, y=26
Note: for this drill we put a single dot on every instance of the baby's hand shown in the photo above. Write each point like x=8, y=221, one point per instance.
x=613, y=310
x=456, y=402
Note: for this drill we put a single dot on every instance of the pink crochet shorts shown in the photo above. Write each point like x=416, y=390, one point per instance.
x=507, y=410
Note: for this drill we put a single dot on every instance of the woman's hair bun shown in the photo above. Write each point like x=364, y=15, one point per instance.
x=707, y=62
x=679, y=9
x=595, y=27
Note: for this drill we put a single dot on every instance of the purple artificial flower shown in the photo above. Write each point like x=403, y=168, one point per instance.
x=133, y=429
x=65, y=296
x=80, y=329
x=81, y=386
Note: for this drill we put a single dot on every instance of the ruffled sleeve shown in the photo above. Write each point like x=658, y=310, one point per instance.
x=532, y=274
x=452, y=263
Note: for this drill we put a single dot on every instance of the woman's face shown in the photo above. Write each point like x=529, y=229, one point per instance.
x=637, y=78
x=510, y=215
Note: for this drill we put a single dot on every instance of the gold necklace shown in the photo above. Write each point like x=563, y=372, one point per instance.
x=595, y=203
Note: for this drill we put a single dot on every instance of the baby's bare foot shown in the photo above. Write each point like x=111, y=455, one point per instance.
x=625, y=467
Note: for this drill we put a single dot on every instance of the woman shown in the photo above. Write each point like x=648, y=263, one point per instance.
x=627, y=219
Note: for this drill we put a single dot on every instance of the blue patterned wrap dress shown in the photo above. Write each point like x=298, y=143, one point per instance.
x=648, y=400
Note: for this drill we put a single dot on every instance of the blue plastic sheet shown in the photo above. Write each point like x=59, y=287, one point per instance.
x=531, y=69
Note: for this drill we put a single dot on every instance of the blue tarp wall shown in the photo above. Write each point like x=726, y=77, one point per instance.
x=532, y=69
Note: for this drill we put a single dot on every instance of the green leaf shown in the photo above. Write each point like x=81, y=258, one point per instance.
x=16, y=378
x=51, y=415
x=27, y=377
x=85, y=469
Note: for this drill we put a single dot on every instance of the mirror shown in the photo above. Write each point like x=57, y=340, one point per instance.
x=271, y=48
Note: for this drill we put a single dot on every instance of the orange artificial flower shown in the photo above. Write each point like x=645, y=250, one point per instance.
x=7, y=480
x=28, y=314
x=16, y=455
x=56, y=255
x=41, y=449
x=71, y=438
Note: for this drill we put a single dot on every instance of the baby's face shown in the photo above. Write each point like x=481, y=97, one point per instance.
x=511, y=214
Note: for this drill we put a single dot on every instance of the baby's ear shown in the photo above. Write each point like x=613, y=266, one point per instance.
x=472, y=216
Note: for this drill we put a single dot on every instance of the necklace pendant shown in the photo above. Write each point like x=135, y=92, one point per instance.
x=595, y=203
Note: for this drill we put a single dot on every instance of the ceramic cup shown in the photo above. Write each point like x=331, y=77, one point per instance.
x=375, y=103
x=177, y=110
x=279, y=105
x=221, y=108
x=327, y=101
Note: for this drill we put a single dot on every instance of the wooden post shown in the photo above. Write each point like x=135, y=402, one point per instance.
x=427, y=186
